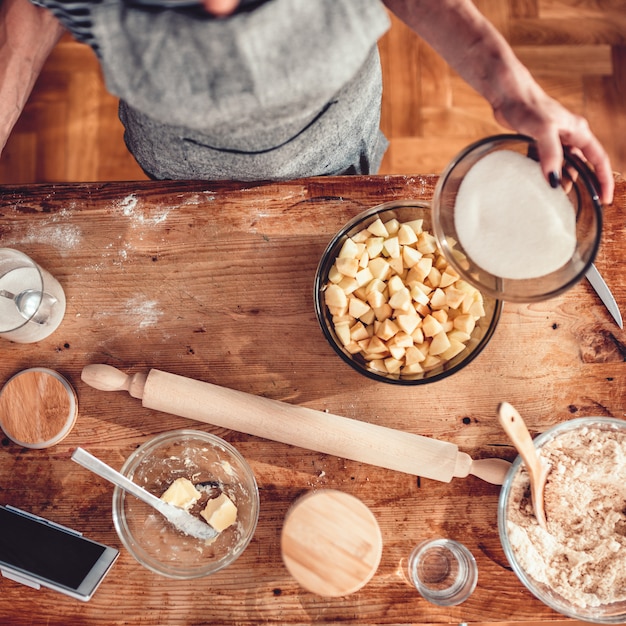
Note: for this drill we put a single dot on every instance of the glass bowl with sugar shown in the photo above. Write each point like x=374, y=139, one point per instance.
x=505, y=230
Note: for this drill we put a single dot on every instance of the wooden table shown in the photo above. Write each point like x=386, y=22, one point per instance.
x=214, y=282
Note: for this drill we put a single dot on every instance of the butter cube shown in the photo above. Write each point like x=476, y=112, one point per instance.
x=220, y=512
x=181, y=493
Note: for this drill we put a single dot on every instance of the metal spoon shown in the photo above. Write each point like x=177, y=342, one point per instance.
x=181, y=519
x=32, y=304
x=516, y=429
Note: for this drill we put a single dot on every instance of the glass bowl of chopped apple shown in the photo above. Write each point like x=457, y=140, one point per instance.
x=202, y=474
x=391, y=305
x=506, y=230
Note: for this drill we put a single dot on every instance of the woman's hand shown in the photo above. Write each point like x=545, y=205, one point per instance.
x=483, y=58
x=526, y=108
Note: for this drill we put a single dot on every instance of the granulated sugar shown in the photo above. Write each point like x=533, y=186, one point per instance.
x=510, y=222
x=582, y=554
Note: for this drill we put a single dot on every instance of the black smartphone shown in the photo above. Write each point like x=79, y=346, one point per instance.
x=39, y=553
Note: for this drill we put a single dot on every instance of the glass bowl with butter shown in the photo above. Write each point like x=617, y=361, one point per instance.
x=503, y=227
x=203, y=474
x=577, y=564
x=391, y=306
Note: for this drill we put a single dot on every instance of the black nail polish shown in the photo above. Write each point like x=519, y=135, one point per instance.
x=554, y=179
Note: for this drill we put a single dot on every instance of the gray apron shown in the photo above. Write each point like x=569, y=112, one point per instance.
x=288, y=90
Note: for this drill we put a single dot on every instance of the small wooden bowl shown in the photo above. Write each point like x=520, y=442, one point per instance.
x=38, y=408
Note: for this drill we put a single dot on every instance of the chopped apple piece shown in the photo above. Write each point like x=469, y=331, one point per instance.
x=454, y=297
x=334, y=275
x=439, y=344
x=343, y=332
x=418, y=336
x=378, y=229
x=374, y=246
x=431, y=326
x=426, y=243
x=397, y=266
x=397, y=352
x=335, y=296
x=377, y=346
x=392, y=226
x=392, y=365
x=406, y=235
x=401, y=300
x=362, y=236
x=380, y=268
x=418, y=294
x=410, y=256
x=395, y=284
x=376, y=299
x=358, y=332
x=378, y=365
x=384, y=312
x=434, y=277
x=458, y=335
x=348, y=284
x=358, y=308
x=349, y=250
x=448, y=277
x=412, y=368
x=413, y=355
x=363, y=277
x=465, y=323
x=456, y=347
x=408, y=322
x=438, y=299
x=387, y=329
x=347, y=266
x=431, y=361
x=392, y=247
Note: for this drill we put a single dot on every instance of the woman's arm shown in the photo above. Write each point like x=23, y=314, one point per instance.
x=27, y=36
x=473, y=47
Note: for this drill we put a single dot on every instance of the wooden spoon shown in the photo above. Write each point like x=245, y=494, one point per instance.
x=516, y=429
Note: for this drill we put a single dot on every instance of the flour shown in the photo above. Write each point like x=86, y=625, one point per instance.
x=582, y=554
x=129, y=207
x=128, y=204
x=510, y=221
x=145, y=310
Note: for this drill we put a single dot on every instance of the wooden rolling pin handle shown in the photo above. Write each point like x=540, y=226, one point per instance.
x=108, y=378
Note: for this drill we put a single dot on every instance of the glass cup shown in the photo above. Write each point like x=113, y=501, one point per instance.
x=443, y=571
x=32, y=302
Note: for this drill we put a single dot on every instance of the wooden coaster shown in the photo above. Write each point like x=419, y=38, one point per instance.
x=331, y=543
x=38, y=408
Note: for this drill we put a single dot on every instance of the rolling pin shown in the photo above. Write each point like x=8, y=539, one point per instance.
x=295, y=425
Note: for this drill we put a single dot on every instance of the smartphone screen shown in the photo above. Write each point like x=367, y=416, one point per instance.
x=44, y=553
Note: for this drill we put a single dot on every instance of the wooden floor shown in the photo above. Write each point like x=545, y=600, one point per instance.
x=576, y=48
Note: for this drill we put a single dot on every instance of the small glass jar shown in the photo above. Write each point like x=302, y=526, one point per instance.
x=443, y=571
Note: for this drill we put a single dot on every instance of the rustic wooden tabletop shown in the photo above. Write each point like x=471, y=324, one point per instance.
x=215, y=282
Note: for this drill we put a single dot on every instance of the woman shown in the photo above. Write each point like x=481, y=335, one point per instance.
x=274, y=89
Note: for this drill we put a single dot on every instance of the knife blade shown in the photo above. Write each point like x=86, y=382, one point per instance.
x=601, y=288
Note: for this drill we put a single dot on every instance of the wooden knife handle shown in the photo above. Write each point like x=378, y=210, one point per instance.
x=278, y=421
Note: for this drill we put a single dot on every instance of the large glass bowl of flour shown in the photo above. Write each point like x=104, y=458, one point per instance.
x=577, y=565
x=506, y=230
